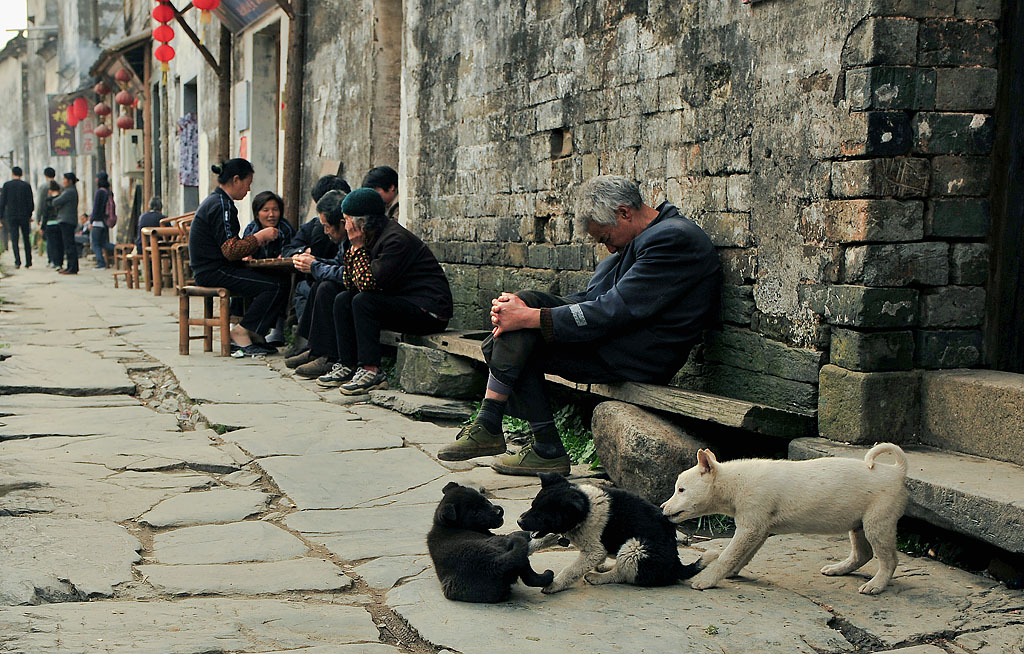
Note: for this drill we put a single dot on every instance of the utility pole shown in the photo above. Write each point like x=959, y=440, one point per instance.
x=293, y=111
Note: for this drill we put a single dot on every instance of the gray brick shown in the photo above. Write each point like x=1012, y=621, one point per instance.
x=968, y=263
x=878, y=40
x=948, y=349
x=913, y=8
x=742, y=348
x=855, y=407
x=958, y=43
x=897, y=265
x=953, y=175
x=900, y=177
x=983, y=9
x=872, y=351
x=953, y=306
x=737, y=304
x=957, y=218
x=851, y=221
x=890, y=87
x=739, y=265
x=726, y=229
x=966, y=89
x=953, y=133
x=807, y=333
x=863, y=306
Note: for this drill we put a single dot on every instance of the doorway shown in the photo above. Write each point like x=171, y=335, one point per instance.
x=264, y=135
x=188, y=142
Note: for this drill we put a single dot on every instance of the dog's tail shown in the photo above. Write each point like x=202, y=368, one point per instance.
x=881, y=448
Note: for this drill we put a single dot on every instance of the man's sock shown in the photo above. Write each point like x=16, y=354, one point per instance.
x=546, y=441
x=490, y=414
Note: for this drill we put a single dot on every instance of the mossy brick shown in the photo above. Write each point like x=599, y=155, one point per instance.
x=865, y=407
x=947, y=42
x=742, y=348
x=806, y=332
x=890, y=87
x=953, y=133
x=863, y=306
x=737, y=304
x=979, y=9
x=872, y=351
x=952, y=306
x=960, y=175
x=427, y=371
x=852, y=221
x=882, y=40
x=966, y=89
x=948, y=349
x=899, y=177
x=968, y=264
x=899, y=264
x=542, y=255
x=912, y=8
x=574, y=257
x=743, y=384
x=957, y=218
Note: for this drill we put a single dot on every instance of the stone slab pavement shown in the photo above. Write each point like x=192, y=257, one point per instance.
x=241, y=510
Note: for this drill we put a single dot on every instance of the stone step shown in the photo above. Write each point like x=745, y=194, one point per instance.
x=974, y=411
x=980, y=497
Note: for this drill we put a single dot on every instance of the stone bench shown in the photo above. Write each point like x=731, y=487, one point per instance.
x=698, y=405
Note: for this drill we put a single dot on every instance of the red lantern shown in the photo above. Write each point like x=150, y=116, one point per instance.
x=124, y=98
x=163, y=33
x=103, y=131
x=102, y=109
x=205, y=7
x=80, y=109
x=101, y=88
x=72, y=119
x=164, y=54
x=163, y=13
x=124, y=121
x=123, y=75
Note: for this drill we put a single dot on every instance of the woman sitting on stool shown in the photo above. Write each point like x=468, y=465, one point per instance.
x=216, y=253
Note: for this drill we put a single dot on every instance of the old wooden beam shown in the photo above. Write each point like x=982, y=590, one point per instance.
x=293, y=109
x=207, y=55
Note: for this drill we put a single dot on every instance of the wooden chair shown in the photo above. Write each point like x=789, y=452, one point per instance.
x=123, y=273
x=207, y=322
x=181, y=273
x=161, y=240
x=121, y=253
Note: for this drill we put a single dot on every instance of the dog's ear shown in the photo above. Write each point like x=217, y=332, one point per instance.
x=550, y=479
x=449, y=487
x=706, y=461
x=448, y=513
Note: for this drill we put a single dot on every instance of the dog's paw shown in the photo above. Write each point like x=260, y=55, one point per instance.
x=707, y=558
x=605, y=566
x=552, y=588
x=702, y=581
x=872, y=588
x=835, y=569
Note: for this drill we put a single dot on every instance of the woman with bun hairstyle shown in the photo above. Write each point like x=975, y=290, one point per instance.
x=216, y=253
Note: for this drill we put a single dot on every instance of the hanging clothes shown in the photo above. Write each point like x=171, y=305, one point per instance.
x=188, y=150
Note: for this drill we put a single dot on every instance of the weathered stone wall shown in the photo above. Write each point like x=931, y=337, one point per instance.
x=835, y=152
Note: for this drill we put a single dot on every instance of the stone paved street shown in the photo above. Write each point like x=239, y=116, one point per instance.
x=151, y=502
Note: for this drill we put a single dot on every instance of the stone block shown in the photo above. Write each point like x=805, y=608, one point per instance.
x=428, y=371
x=878, y=134
x=726, y=229
x=850, y=221
x=742, y=348
x=953, y=133
x=978, y=9
x=900, y=264
x=966, y=89
x=423, y=407
x=878, y=40
x=640, y=451
x=738, y=193
x=865, y=407
x=900, y=177
x=912, y=8
x=739, y=265
x=968, y=264
x=952, y=175
x=872, y=351
x=974, y=411
x=758, y=387
x=957, y=218
x=863, y=306
x=952, y=306
x=808, y=332
x=945, y=42
x=737, y=304
x=948, y=349
x=890, y=87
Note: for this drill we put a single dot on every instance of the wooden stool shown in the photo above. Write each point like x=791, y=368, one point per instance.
x=121, y=252
x=207, y=322
x=127, y=277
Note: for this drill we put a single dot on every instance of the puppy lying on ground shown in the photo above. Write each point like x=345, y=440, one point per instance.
x=819, y=496
x=473, y=564
x=600, y=522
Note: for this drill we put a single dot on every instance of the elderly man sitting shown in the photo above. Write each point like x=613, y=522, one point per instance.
x=645, y=307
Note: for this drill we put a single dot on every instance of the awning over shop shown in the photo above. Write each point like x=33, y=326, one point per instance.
x=130, y=51
x=239, y=14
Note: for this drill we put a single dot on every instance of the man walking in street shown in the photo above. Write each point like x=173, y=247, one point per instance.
x=49, y=229
x=16, y=207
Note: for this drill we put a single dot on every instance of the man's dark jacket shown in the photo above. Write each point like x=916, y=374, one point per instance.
x=645, y=301
x=311, y=235
x=16, y=201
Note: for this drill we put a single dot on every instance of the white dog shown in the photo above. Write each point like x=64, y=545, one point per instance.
x=818, y=496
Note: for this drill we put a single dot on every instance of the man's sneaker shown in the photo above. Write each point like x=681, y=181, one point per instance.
x=364, y=381
x=297, y=360
x=473, y=440
x=314, y=368
x=528, y=462
x=338, y=375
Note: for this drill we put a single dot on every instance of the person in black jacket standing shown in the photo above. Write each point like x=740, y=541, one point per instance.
x=98, y=229
x=66, y=205
x=216, y=253
x=643, y=310
x=16, y=205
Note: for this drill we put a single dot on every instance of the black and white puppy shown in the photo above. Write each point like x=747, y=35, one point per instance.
x=473, y=564
x=602, y=522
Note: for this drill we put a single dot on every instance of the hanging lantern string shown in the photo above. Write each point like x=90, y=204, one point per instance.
x=163, y=13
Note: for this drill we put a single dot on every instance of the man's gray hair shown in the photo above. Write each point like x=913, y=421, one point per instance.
x=600, y=197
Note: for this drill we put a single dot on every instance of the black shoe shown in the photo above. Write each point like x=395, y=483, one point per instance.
x=251, y=350
x=299, y=359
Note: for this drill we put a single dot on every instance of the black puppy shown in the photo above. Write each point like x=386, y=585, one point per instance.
x=606, y=521
x=473, y=564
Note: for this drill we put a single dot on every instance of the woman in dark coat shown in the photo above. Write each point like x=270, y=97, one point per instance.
x=216, y=253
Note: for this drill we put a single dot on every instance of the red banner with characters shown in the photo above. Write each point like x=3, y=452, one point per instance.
x=62, y=135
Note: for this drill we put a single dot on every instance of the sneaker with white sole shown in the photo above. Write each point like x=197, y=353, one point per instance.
x=364, y=381
x=338, y=375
